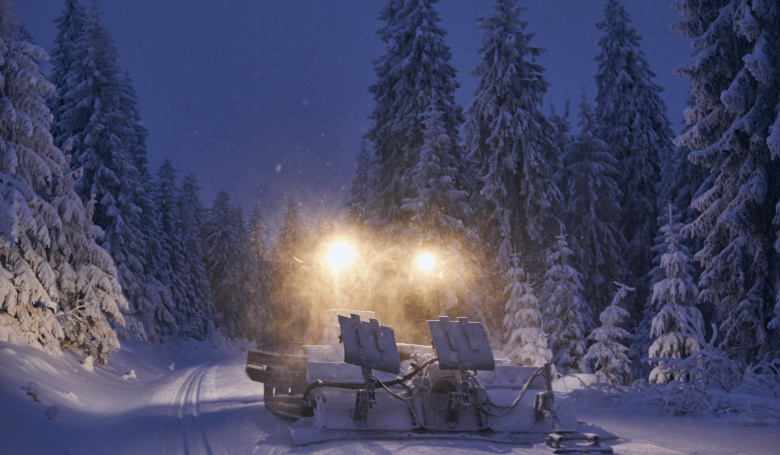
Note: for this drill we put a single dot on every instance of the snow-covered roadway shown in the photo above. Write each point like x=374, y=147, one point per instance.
x=188, y=398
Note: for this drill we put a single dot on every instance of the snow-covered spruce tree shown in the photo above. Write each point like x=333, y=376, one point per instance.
x=592, y=210
x=288, y=320
x=564, y=313
x=70, y=27
x=632, y=120
x=563, y=137
x=156, y=254
x=607, y=357
x=511, y=143
x=224, y=259
x=257, y=279
x=526, y=343
x=360, y=191
x=673, y=293
x=192, y=312
x=734, y=133
x=200, y=322
x=414, y=74
x=681, y=183
x=57, y=287
x=95, y=128
x=438, y=207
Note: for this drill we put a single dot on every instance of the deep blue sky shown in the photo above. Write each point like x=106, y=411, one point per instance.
x=268, y=99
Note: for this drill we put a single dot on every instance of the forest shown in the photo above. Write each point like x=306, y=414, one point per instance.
x=604, y=243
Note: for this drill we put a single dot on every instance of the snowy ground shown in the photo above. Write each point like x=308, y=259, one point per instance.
x=189, y=398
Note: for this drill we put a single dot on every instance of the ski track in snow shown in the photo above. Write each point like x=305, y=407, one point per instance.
x=184, y=417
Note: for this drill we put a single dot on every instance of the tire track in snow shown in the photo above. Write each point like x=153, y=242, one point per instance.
x=184, y=428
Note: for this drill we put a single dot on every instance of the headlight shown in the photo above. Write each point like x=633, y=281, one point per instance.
x=340, y=255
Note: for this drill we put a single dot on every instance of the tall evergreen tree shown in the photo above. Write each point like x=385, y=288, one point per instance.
x=224, y=254
x=563, y=138
x=511, y=144
x=201, y=312
x=438, y=207
x=70, y=27
x=592, y=210
x=562, y=125
x=565, y=311
x=413, y=75
x=257, y=279
x=192, y=309
x=57, y=287
x=289, y=318
x=607, y=357
x=734, y=133
x=94, y=126
x=360, y=191
x=632, y=121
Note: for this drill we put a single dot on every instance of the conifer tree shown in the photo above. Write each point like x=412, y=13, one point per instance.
x=511, y=144
x=70, y=28
x=257, y=279
x=607, y=357
x=526, y=343
x=360, y=191
x=57, y=287
x=592, y=210
x=200, y=319
x=439, y=206
x=563, y=138
x=289, y=318
x=94, y=126
x=413, y=75
x=734, y=133
x=565, y=311
x=632, y=120
x=224, y=259
x=192, y=309
x=674, y=294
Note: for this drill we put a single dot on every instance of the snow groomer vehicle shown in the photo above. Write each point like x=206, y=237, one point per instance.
x=361, y=383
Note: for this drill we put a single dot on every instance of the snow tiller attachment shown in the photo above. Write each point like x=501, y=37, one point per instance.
x=369, y=386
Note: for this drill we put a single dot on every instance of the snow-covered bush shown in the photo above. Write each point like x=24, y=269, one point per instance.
x=763, y=379
x=680, y=398
x=707, y=368
x=32, y=391
x=89, y=364
x=701, y=375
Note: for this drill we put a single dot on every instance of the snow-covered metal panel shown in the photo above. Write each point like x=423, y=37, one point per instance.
x=368, y=344
x=461, y=345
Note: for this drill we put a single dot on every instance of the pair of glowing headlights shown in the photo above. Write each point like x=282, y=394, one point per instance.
x=341, y=254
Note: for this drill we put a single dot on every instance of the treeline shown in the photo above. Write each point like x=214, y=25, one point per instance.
x=616, y=248
x=94, y=244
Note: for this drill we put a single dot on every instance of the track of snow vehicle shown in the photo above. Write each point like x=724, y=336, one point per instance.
x=368, y=386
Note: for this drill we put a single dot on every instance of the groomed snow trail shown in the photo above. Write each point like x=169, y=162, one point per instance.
x=207, y=405
x=186, y=435
x=214, y=410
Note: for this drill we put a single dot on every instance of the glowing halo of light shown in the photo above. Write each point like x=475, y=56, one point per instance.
x=426, y=262
x=340, y=255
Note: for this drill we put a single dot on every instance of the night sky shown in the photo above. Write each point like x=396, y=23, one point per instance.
x=268, y=99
